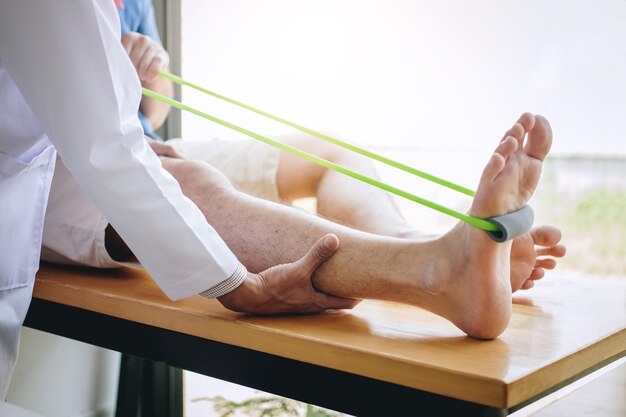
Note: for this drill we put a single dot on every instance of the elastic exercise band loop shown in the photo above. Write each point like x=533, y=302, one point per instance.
x=346, y=145
x=512, y=224
x=474, y=221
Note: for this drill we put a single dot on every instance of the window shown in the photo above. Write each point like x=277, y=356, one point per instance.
x=434, y=85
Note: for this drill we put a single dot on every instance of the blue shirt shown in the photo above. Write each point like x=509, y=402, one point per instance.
x=138, y=16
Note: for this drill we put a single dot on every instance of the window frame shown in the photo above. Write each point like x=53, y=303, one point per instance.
x=169, y=21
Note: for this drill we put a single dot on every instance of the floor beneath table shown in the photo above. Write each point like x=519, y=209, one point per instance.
x=605, y=396
x=200, y=389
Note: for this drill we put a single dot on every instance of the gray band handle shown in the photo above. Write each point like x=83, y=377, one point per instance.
x=512, y=224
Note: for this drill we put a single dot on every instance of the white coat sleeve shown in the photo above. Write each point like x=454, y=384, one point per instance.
x=67, y=60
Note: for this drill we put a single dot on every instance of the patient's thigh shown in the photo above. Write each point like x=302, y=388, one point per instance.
x=250, y=166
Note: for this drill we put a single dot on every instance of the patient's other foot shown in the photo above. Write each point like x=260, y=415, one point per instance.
x=533, y=253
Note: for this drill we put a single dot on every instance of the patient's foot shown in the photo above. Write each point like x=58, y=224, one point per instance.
x=533, y=253
x=475, y=293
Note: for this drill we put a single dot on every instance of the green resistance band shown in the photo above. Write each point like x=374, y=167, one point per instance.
x=474, y=221
x=176, y=79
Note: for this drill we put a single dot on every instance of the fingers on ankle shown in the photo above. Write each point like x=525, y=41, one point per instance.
x=330, y=302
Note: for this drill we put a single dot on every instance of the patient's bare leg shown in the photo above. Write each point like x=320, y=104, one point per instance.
x=339, y=198
x=463, y=276
x=366, y=208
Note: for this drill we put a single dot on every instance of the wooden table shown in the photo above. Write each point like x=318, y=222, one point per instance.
x=380, y=359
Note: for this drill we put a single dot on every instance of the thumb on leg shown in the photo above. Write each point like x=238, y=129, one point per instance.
x=322, y=251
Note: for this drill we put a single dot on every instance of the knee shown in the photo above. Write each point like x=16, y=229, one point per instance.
x=333, y=153
x=344, y=157
x=197, y=177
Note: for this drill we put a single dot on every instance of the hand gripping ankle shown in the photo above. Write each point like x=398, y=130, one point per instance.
x=512, y=224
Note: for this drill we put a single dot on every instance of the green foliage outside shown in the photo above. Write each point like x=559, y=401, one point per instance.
x=265, y=406
x=594, y=229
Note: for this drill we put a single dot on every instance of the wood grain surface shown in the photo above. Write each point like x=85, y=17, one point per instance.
x=565, y=326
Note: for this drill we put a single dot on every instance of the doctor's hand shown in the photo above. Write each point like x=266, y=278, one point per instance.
x=287, y=288
x=163, y=148
x=147, y=56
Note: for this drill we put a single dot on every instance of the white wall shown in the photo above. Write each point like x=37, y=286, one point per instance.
x=433, y=84
x=59, y=377
x=447, y=74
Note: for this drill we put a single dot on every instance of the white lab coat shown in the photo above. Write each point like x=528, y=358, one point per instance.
x=78, y=86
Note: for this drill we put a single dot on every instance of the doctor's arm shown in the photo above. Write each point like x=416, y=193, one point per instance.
x=67, y=60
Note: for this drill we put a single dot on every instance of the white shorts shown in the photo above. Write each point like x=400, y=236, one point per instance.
x=74, y=228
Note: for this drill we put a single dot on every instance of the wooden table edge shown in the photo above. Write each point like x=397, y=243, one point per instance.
x=571, y=368
x=423, y=376
x=486, y=391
